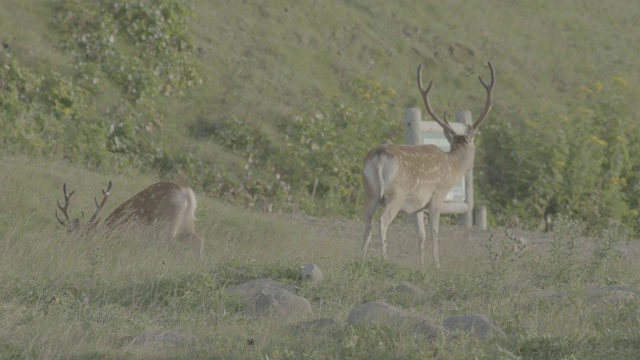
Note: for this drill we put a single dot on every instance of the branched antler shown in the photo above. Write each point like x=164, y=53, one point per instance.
x=489, y=103
x=425, y=96
x=105, y=196
x=484, y=112
x=65, y=208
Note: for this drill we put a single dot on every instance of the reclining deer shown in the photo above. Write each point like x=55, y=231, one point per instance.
x=165, y=203
x=415, y=178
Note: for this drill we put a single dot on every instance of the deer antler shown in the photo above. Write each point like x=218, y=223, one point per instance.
x=425, y=96
x=65, y=208
x=489, y=103
x=105, y=196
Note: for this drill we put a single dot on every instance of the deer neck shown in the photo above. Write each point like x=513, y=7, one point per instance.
x=462, y=156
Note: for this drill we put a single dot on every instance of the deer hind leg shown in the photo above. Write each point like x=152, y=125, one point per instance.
x=419, y=217
x=189, y=217
x=389, y=212
x=370, y=205
x=189, y=213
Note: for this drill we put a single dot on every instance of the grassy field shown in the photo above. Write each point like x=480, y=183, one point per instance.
x=93, y=297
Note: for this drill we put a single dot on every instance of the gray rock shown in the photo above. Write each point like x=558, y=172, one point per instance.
x=478, y=326
x=266, y=297
x=312, y=273
x=613, y=294
x=263, y=283
x=430, y=331
x=378, y=312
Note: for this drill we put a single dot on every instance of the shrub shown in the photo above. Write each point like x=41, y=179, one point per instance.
x=576, y=163
x=325, y=147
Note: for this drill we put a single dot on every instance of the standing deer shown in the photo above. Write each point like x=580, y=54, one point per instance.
x=415, y=178
x=165, y=203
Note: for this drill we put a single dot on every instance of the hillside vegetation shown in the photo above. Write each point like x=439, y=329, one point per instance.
x=259, y=103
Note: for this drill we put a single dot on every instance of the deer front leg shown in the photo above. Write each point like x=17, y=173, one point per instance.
x=434, y=221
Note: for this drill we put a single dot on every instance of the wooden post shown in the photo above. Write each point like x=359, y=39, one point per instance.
x=412, y=120
x=480, y=217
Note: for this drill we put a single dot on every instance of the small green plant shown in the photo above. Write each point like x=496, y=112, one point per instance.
x=604, y=246
x=502, y=256
x=563, y=265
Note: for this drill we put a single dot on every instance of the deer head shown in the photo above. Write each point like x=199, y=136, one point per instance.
x=449, y=133
x=74, y=225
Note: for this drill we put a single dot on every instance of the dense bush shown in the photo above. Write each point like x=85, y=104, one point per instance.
x=582, y=163
x=141, y=47
x=44, y=114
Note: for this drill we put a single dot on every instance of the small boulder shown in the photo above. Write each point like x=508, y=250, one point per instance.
x=378, y=312
x=430, y=331
x=266, y=297
x=312, y=273
x=613, y=294
x=478, y=326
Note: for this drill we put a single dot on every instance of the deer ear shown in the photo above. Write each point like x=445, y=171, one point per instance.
x=468, y=134
x=450, y=135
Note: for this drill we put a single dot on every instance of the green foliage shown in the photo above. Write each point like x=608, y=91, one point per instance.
x=604, y=247
x=238, y=136
x=503, y=256
x=325, y=147
x=140, y=47
x=581, y=163
x=563, y=264
x=46, y=115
